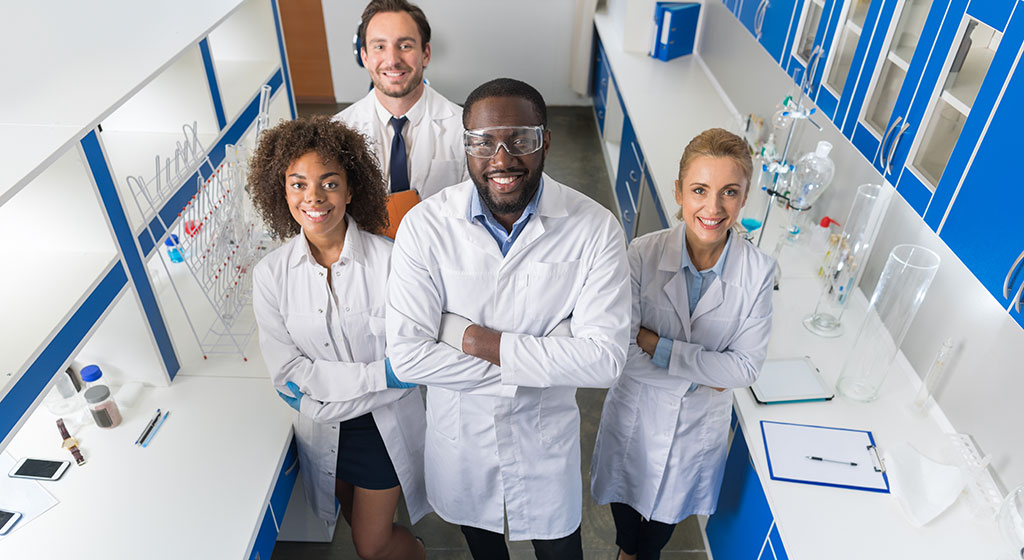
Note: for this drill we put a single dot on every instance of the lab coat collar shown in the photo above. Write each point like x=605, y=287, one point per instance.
x=672, y=258
x=353, y=249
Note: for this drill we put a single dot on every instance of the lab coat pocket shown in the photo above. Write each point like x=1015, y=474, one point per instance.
x=714, y=333
x=559, y=417
x=307, y=331
x=549, y=293
x=365, y=334
x=444, y=412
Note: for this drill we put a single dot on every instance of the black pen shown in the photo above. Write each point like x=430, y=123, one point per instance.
x=850, y=463
x=149, y=427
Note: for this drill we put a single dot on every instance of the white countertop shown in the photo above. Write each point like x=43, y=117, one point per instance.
x=198, y=490
x=823, y=522
x=668, y=103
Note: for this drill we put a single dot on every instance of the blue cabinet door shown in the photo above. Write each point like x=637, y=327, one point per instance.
x=991, y=92
x=883, y=101
x=749, y=14
x=265, y=538
x=778, y=26
x=811, y=42
x=601, y=78
x=954, y=98
x=627, y=178
x=740, y=526
x=991, y=196
x=853, y=38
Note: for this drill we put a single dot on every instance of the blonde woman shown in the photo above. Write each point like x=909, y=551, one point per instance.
x=700, y=324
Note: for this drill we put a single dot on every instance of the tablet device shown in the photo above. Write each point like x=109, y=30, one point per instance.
x=790, y=380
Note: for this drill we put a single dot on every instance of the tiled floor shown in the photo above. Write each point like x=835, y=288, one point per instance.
x=574, y=159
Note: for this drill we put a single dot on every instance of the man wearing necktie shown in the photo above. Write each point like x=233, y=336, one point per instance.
x=416, y=133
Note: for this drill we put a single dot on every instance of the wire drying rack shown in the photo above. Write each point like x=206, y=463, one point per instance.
x=218, y=238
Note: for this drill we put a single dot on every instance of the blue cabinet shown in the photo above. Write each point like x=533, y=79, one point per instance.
x=601, y=80
x=743, y=526
x=853, y=36
x=990, y=196
x=811, y=41
x=266, y=533
x=628, y=178
x=776, y=27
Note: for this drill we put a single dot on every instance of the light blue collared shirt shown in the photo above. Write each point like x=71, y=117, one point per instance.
x=478, y=211
x=697, y=284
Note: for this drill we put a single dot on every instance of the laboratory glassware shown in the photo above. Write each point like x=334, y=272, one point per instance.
x=845, y=265
x=102, y=406
x=900, y=290
x=924, y=394
x=90, y=374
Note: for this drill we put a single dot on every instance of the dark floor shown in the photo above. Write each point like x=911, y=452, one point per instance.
x=574, y=159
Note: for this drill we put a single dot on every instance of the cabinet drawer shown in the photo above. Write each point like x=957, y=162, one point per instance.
x=285, y=482
x=738, y=528
x=265, y=539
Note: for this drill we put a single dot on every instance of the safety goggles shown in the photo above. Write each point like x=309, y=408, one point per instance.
x=517, y=140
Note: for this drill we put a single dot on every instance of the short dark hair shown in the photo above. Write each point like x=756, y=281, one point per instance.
x=377, y=6
x=278, y=147
x=507, y=87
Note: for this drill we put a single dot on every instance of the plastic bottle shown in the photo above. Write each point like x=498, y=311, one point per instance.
x=102, y=406
x=173, y=250
x=91, y=375
x=813, y=174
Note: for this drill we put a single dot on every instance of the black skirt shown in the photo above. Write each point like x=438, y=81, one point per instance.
x=363, y=460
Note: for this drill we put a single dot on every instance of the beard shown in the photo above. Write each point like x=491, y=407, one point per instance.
x=402, y=90
x=531, y=182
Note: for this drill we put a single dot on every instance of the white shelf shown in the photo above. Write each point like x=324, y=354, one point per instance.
x=965, y=86
x=67, y=85
x=242, y=56
x=901, y=58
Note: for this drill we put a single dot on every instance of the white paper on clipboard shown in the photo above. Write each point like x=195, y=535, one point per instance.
x=788, y=447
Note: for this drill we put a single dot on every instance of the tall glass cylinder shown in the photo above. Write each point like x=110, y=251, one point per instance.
x=904, y=282
x=844, y=263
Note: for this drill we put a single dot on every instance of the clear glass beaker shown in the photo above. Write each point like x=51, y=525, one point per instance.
x=901, y=288
x=845, y=263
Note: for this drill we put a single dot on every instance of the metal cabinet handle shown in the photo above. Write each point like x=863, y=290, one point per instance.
x=892, y=147
x=812, y=67
x=1019, y=298
x=288, y=471
x=633, y=176
x=1009, y=276
x=600, y=113
x=885, y=138
x=762, y=10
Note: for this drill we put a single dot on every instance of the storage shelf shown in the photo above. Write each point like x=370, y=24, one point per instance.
x=965, y=86
x=38, y=301
x=900, y=58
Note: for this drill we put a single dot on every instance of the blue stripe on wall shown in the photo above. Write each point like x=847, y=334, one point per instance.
x=211, y=78
x=169, y=213
x=18, y=400
x=284, y=58
x=123, y=235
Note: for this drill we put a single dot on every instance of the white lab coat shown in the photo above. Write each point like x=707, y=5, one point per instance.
x=438, y=155
x=339, y=367
x=506, y=440
x=660, y=449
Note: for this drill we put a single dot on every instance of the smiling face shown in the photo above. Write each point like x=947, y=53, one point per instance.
x=394, y=54
x=506, y=183
x=317, y=194
x=710, y=194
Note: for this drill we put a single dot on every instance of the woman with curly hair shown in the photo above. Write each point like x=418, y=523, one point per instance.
x=319, y=304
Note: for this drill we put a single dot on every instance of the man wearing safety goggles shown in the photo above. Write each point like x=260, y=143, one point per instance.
x=507, y=292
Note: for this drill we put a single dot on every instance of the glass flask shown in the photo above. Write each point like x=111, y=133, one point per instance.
x=843, y=269
x=901, y=288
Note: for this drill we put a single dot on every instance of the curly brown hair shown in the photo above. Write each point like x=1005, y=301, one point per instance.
x=279, y=146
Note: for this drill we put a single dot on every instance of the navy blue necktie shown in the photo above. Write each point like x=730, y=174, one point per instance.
x=399, y=163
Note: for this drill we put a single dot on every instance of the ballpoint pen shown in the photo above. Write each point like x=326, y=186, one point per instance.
x=149, y=426
x=156, y=428
x=850, y=463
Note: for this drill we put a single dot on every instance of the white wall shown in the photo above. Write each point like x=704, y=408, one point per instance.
x=471, y=42
x=981, y=392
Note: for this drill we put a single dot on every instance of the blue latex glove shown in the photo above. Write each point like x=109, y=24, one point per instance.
x=394, y=382
x=295, y=399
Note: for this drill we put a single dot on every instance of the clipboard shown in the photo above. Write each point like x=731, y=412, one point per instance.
x=824, y=456
x=790, y=380
x=398, y=204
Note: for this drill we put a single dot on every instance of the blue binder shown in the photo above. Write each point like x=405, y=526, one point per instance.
x=675, y=28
